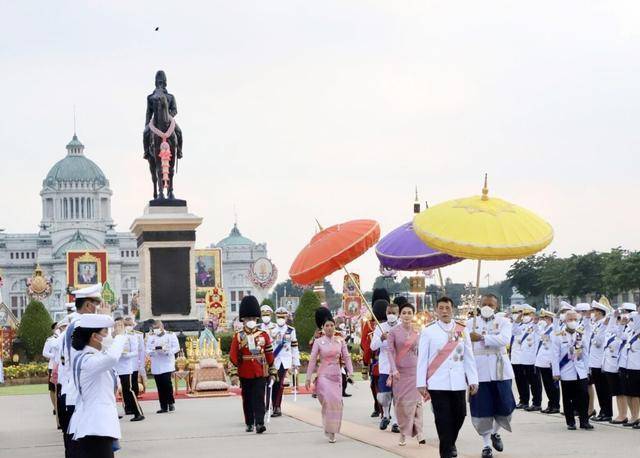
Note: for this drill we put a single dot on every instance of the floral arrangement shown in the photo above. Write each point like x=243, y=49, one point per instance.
x=26, y=370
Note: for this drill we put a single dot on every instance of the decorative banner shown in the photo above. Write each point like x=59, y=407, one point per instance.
x=351, y=300
x=417, y=284
x=289, y=302
x=263, y=273
x=86, y=268
x=38, y=287
x=108, y=296
x=216, y=306
x=208, y=268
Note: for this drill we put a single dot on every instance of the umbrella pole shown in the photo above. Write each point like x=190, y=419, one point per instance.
x=444, y=291
x=364, y=299
x=478, y=281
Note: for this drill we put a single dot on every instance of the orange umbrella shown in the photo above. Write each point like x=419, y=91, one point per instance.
x=332, y=249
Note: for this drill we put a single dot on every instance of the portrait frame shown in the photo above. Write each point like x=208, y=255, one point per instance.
x=79, y=261
x=207, y=266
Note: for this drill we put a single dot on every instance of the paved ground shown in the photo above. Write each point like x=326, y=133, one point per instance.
x=214, y=427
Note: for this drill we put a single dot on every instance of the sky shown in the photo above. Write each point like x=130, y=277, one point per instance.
x=336, y=110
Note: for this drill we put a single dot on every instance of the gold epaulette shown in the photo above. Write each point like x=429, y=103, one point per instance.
x=460, y=322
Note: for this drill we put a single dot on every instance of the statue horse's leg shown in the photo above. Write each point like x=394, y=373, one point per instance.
x=147, y=143
x=172, y=166
x=154, y=177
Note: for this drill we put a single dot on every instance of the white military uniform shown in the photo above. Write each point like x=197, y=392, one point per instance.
x=288, y=355
x=96, y=413
x=525, y=343
x=163, y=360
x=129, y=361
x=543, y=356
x=632, y=346
x=612, y=348
x=570, y=353
x=458, y=370
x=490, y=354
x=596, y=342
x=50, y=350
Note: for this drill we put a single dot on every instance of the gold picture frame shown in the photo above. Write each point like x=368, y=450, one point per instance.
x=87, y=270
x=208, y=268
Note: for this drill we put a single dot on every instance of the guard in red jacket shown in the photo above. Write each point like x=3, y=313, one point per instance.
x=251, y=356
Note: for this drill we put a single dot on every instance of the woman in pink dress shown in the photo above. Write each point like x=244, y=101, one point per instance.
x=403, y=358
x=329, y=348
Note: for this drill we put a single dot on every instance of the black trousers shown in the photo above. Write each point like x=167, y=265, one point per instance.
x=533, y=384
x=64, y=416
x=521, y=383
x=449, y=410
x=131, y=405
x=278, y=388
x=602, y=390
x=253, y=397
x=134, y=383
x=95, y=447
x=344, y=383
x=575, y=398
x=551, y=387
x=165, y=389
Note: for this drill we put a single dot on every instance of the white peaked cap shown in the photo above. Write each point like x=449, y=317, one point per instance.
x=598, y=306
x=629, y=306
x=516, y=308
x=71, y=306
x=93, y=291
x=266, y=308
x=583, y=307
x=95, y=321
x=565, y=306
x=282, y=311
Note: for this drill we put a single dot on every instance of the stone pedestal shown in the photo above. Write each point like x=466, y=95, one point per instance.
x=166, y=238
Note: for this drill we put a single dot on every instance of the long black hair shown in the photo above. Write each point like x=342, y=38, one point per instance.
x=81, y=337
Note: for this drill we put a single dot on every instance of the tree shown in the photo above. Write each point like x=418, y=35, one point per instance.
x=524, y=274
x=34, y=329
x=305, y=318
x=269, y=302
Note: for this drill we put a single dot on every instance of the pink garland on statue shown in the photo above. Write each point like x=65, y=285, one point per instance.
x=165, y=149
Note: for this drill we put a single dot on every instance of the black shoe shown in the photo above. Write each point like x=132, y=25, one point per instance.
x=533, y=408
x=619, y=422
x=487, y=453
x=249, y=428
x=592, y=414
x=422, y=442
x=601, y=418
x=384, y=423
x=551, y=411
x=631, y=425
x=172, y=407
x=395, y=428
x=636, y=426
x=162, y=411
x=276, y=413
x=545, y=410
x=120, y=417
x=496, y=441
x=522, y=406
x=54, y=413
x=260, y=429
x=346, y=395
x=587, y=426
x=571, y=427
x=454, y=451
x=375, y=414
x=137, y=418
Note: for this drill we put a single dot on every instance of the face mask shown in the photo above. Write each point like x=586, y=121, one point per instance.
x=266, y=319
x=526, y=319
x=573, y=325
x=281, y=321
x=391, y=318
x=486, y=311
x=250, y=324
x=128, y=328
x=157, y=331
x=562, y=316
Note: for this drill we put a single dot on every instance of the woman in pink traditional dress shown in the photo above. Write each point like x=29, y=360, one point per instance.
x=328, y=348
x=403, y=358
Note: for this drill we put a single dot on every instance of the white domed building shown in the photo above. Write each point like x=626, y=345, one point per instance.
x=76, y=215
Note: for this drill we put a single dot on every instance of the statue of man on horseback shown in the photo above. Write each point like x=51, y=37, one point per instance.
x=162, y=138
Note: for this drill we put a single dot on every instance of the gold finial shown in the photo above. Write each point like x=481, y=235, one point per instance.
x=416, y=193
x=485, y=189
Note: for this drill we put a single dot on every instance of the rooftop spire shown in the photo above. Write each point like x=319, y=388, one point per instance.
x=416, y=203
x=75, y=147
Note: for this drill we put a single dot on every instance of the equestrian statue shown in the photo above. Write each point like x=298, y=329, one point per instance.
x=162, y=139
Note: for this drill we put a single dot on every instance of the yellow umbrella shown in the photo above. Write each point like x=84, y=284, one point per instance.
x=483, y=227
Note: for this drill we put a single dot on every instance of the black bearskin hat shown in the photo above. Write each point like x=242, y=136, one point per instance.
x=249, y=307
x=322, y=314
x=400, y=300
x=380, y=309
x=380, y=293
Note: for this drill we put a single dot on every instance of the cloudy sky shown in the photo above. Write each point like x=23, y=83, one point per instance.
x=336, y=110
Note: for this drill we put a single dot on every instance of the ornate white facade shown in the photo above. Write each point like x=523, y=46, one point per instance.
x=76, y=215
x=238, y=255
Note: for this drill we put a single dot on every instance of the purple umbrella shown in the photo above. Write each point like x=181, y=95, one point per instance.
x=402, y=249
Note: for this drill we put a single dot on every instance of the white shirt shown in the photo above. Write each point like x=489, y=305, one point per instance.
x=384, y=367
x=96, y=413
x=632, y=346
x=457, y=371
x=129, y=361
x=612, y=348
x=288, y=355
x=543, y=358
x=490, y=354
x=50, y=349
x=66, y=355
x=571, y=345
x=162, y=350
x=597, y=337
x=525, y=343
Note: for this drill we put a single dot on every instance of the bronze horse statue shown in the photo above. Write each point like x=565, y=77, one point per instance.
x=163, y=122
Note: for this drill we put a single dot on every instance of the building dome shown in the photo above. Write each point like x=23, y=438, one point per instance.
x=75, y=167
x=235, y=238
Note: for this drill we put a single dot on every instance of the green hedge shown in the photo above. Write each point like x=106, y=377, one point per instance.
x=305, y=321
x=35, y=327
x=225, y=341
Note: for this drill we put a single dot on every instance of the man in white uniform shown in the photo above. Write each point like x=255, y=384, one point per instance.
x=162, y=347
x=126, y=366
x=286, y=355
x=446, y=368
x=526, y=339
x=493, y=406
x=596, y=343
x=543, y=361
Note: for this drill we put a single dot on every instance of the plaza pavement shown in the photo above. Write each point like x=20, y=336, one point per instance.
x=214, y=427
